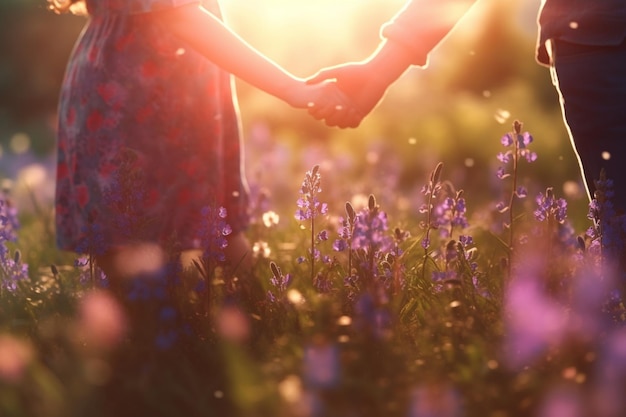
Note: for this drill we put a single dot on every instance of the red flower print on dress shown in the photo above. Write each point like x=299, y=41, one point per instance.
x=62, y=171
x=70, y=119
x=124, y=41
x=82, y=195
x=183, y=197
x=93, y=53
x=94, y=121
x=144, y=113
x=149, y=69
x=107, y=168
x=111, y=92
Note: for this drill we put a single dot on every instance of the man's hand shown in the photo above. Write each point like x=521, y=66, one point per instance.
x=359, y=84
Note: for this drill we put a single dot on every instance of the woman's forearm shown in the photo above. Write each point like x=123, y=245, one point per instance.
x=211, y=38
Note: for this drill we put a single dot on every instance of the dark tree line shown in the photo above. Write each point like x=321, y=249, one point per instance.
x=34, y=48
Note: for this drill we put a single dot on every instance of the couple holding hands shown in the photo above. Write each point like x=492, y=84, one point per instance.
x=146, y=104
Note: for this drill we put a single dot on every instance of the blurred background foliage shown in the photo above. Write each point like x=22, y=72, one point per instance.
x=479, y=80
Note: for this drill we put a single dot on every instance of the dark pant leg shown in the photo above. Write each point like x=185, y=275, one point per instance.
x=591, y=81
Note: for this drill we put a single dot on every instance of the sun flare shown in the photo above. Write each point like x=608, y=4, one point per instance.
x=304, y=35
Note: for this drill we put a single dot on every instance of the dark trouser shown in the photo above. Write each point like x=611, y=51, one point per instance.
x=591, y=81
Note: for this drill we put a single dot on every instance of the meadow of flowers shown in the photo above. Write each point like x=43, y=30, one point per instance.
x=450, y=311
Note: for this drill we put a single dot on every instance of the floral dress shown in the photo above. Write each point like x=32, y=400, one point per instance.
x=148, y=135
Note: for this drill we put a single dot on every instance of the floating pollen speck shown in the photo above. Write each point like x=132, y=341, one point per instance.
x=573, y=25
x=502, y=115
x=295, y=296
x=606, y=155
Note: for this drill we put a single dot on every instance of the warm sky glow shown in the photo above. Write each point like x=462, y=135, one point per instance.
x=304, y=35
x=321, y=31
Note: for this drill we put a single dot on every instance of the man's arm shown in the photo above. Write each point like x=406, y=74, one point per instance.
x=422, y=24
x=407, y=39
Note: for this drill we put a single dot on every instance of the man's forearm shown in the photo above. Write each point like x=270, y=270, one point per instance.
x=422, y=24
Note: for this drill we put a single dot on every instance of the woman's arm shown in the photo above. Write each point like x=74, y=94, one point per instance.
x=211, y=38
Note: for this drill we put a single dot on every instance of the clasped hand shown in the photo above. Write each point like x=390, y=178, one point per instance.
x=360, y=92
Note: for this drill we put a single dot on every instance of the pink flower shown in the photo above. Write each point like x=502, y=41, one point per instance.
x=102, y=323
x=15, y=355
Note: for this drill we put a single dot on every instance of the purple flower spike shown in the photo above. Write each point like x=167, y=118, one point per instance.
x=213, y=231
x=308, y=204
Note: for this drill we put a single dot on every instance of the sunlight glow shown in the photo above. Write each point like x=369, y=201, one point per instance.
x=304, y=36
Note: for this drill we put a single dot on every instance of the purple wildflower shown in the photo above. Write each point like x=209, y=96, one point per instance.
x=309, y=207
x=213, y=233
x=166, y=339
x=370, y=230
x=466, y=240
x=431, y=191
x=501, y=207
x=450, y=214
x=280, y=283
x=323, y=283
x=308, y=204
x=370, y=233
x=148, y=287
x=504, y=157
x=442, y=276
x=609, y=228
x=346, y=229
x=321, y=364
x=507, y=140
x=87, y=271
x=520, y=142
x=315, y=254
x=12, y=270
x=9, y=223
x=501, y=174
x=549, y=206
x=340, y=245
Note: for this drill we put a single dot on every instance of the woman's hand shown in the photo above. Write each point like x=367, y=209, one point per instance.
x=327, y=99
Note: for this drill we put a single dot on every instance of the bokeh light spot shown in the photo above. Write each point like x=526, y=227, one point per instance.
x=502, y=116
x=20, y=143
